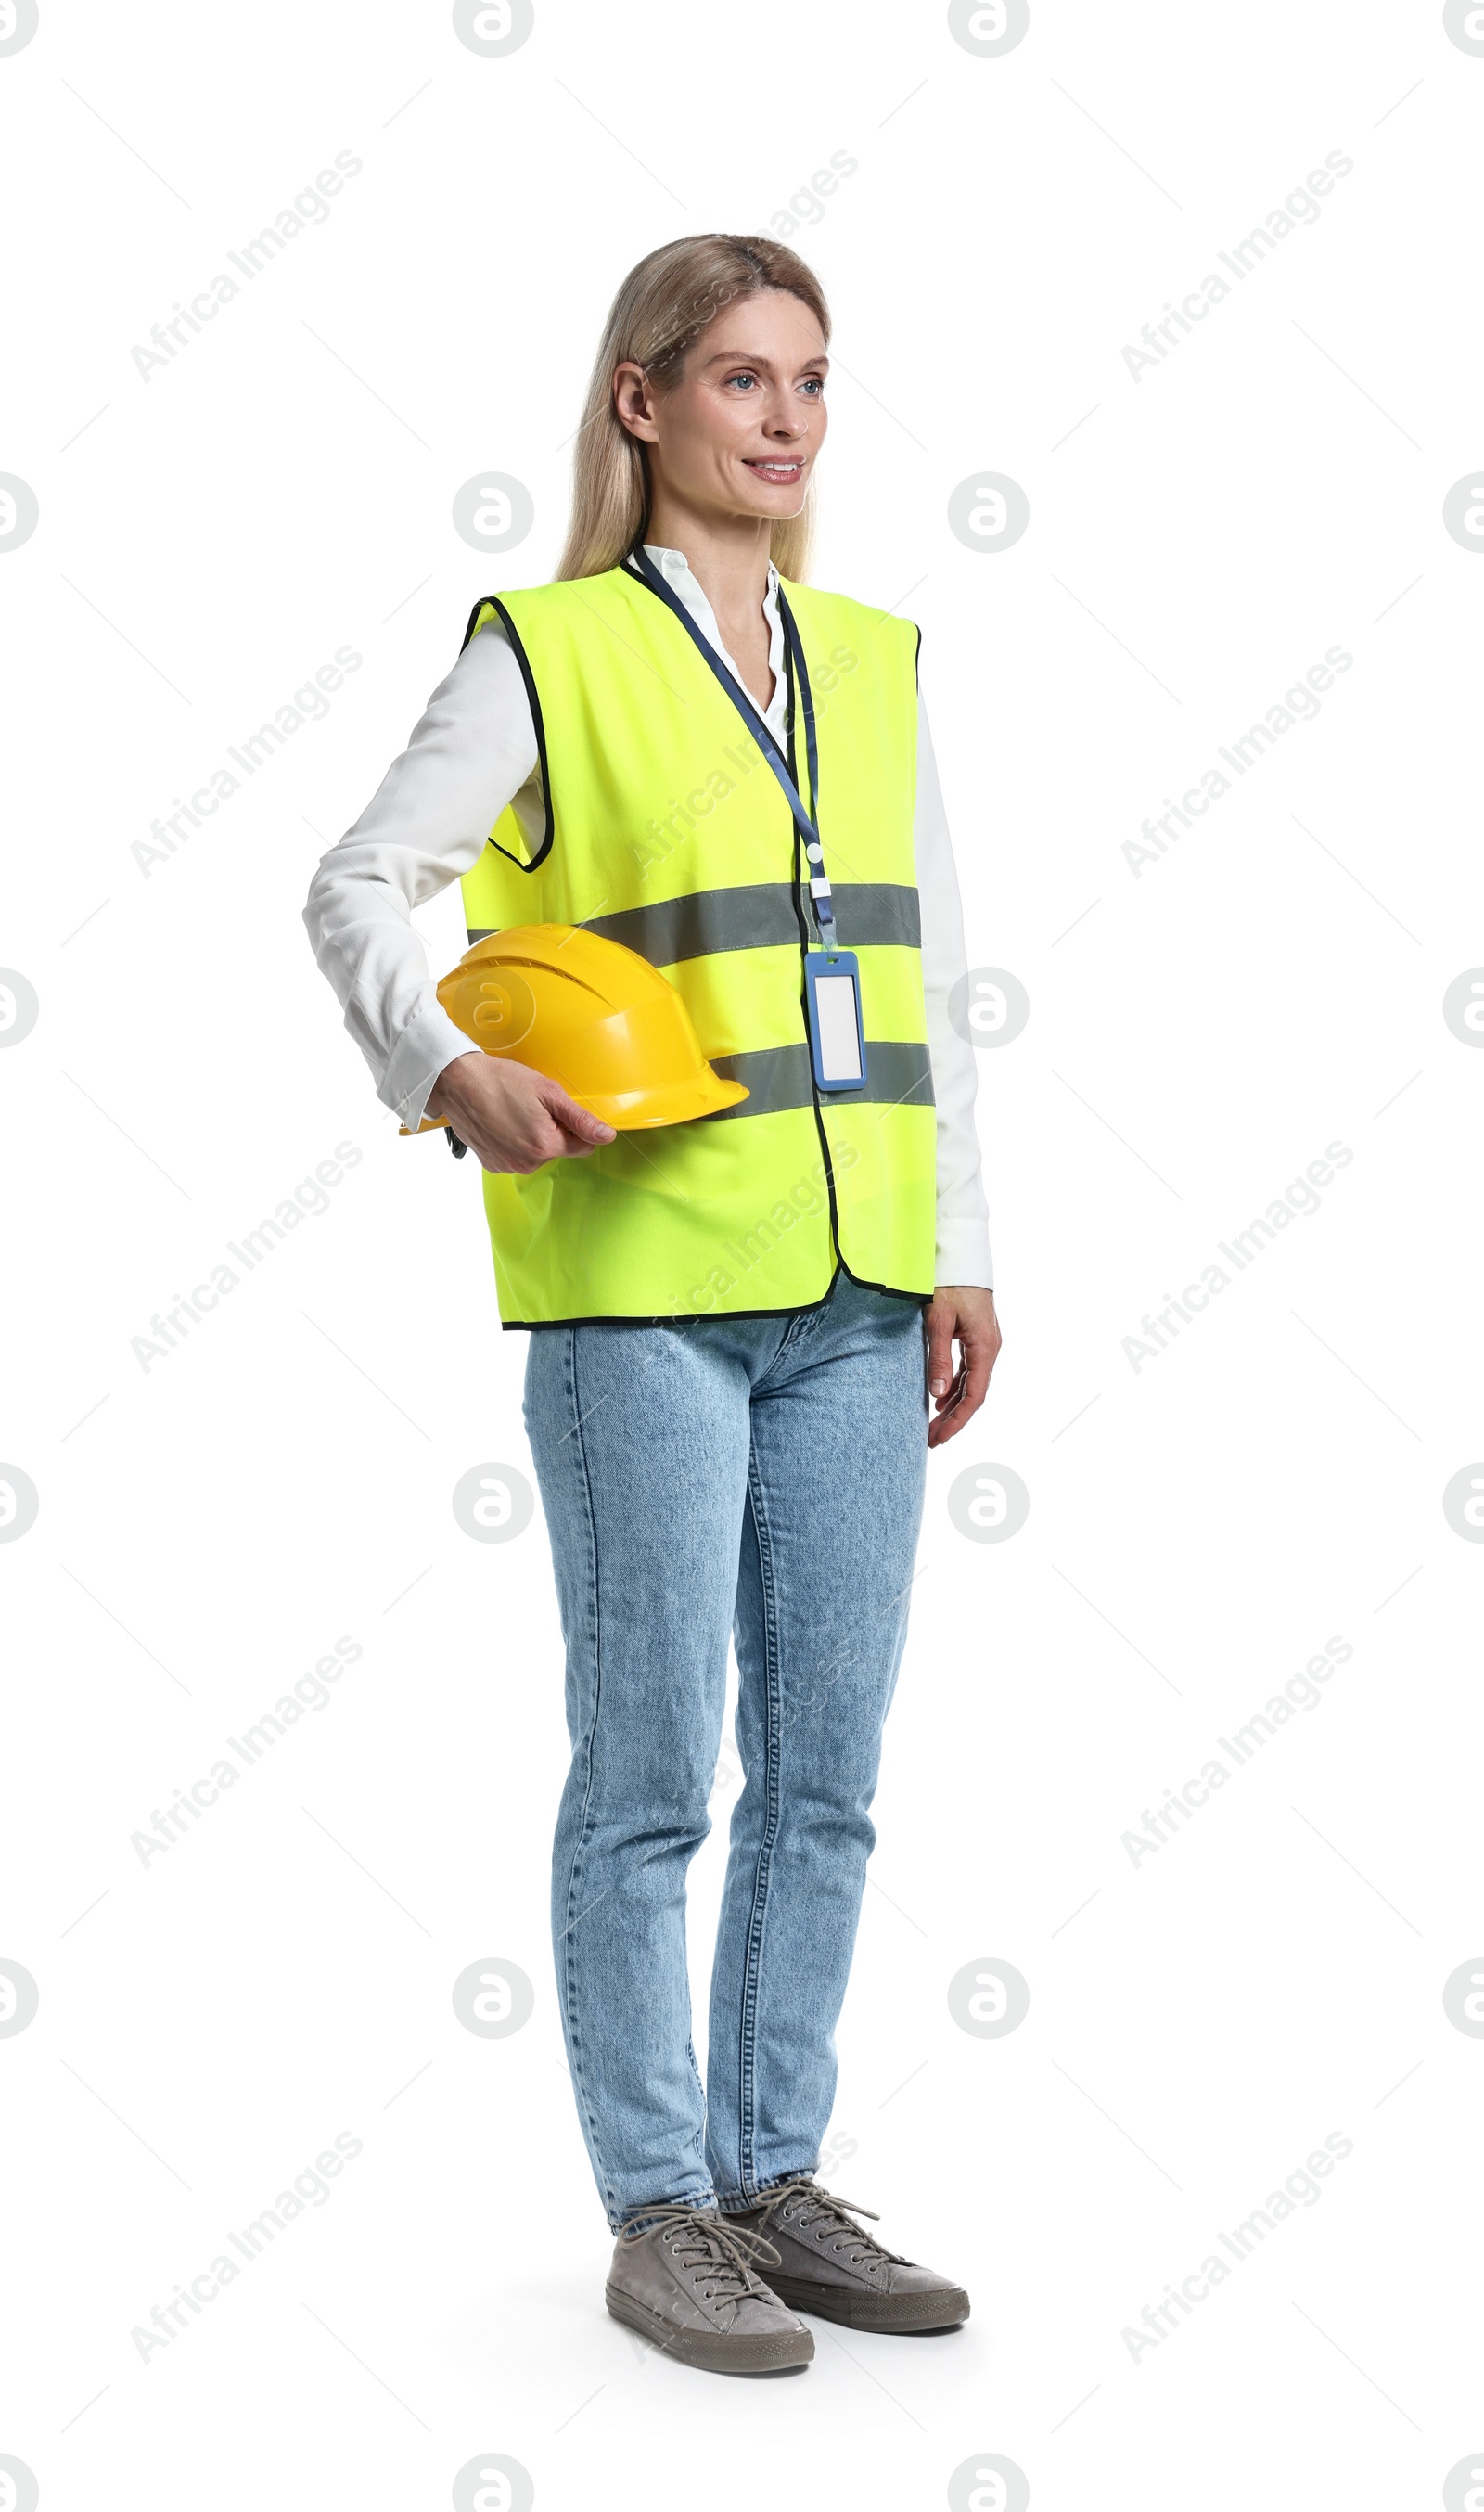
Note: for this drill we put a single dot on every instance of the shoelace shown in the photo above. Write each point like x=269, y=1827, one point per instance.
x=704, y=2238
x=816, y=2203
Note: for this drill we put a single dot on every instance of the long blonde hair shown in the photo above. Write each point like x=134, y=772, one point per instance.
x=660, y=310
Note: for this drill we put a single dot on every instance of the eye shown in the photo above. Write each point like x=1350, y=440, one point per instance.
x=744, y=376
x=814, y=386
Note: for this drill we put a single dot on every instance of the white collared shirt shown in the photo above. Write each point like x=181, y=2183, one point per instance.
x=473, y=752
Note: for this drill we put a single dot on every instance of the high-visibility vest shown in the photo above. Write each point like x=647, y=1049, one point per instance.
x=666, y=828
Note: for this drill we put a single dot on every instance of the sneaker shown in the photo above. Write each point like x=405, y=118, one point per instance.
x=684, y=2276
x=832, y=2266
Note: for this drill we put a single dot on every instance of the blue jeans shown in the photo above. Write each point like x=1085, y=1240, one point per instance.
x=761, y=1476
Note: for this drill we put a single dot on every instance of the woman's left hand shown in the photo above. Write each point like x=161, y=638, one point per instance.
x=965, y=1313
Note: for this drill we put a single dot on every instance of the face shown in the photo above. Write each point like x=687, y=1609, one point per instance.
x=740, y=432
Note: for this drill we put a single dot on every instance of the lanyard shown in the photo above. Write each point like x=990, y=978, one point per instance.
x=819, y=886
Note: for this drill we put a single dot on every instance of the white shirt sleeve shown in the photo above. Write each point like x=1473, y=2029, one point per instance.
x=473, y=752
x=964, y=1223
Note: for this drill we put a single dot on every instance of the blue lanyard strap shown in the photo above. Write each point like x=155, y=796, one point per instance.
x=819, y=886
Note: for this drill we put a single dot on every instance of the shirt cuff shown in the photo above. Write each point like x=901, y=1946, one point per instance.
x=429, y=1041
x=963, y=1254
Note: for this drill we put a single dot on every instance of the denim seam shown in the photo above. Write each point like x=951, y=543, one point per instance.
x=772, y=1756
x=584, y=1828
x=792, y=1334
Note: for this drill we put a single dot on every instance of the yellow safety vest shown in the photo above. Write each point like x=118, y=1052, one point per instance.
x=665, y=829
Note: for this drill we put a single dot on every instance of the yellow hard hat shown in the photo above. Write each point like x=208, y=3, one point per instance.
x=594, y=1015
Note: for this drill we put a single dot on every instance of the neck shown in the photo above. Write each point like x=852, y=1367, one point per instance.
x=727, y=554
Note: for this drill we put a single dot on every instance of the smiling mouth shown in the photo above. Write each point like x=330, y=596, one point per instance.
x=783, y=473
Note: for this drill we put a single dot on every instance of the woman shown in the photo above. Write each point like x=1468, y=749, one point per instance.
x=682, y=746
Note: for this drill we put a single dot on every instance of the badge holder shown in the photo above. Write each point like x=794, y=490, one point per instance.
x=833, y=1005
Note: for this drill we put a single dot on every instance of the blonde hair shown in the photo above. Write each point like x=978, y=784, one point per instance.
x=659, y=312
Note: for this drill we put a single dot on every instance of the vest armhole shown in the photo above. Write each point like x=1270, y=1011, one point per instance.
x=916, y=662
x=484, y=602
x=492, y=602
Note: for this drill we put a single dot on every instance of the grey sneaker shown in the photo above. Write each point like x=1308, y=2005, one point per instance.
x=832, y=2266
x=684, y=2278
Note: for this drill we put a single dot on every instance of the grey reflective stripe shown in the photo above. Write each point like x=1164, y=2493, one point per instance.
x=757, y=918
x=899, y=1074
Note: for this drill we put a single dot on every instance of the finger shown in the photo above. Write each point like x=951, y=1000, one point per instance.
x=963, y=1400
x=973, y=1381
x=940, y=1349
x=950, y=1395
x=574, y=1119
x=951, y=1415
x=523, y=1158
x=976, y=1381
x=552, y=1143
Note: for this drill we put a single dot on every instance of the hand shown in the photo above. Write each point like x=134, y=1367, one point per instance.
x=513, y=1119
x=967, y=1313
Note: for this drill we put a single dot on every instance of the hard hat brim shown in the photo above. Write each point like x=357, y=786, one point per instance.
x=668, y=1103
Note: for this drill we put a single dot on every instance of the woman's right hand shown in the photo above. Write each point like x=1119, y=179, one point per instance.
x=513, y=1119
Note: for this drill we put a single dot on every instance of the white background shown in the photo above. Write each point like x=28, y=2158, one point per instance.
x=1199, y=1032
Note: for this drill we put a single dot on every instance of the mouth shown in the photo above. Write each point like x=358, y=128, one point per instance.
x=784, y=474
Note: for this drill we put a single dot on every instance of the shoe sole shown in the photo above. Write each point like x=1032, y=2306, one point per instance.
x=905, y=2315
x=787, y=2352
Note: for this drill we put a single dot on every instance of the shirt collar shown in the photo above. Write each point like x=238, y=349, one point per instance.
x=676, y=568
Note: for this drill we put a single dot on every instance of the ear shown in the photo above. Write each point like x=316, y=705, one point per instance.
x=634, y=401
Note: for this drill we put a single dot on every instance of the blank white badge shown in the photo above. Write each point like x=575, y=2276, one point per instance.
x=839, y=1042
